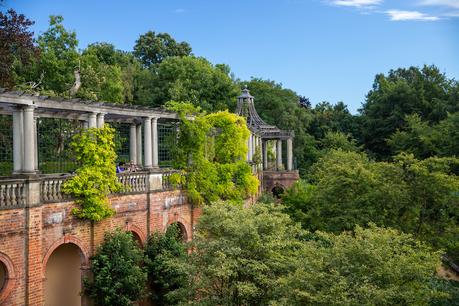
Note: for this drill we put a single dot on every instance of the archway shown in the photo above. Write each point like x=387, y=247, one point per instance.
x=182, y=235
x=137, y=239
x=3, y=276
x=63, y=279
x=277, y=191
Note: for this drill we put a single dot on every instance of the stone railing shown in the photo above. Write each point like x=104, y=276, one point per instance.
x=48, y=188
x=51, y=189
x=133, y=182
x=12, y=194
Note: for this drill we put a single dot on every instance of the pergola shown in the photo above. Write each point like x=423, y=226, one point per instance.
x=261, y=133
x=26, y=108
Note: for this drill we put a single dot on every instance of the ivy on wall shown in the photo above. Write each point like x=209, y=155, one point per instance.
x=95, y=179
x=211, y=153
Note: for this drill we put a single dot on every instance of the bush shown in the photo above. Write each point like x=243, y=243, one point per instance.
x=118, y=279
x=164, y=274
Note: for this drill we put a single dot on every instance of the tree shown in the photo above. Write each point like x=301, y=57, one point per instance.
x=417, y=197
x=211, y=153
x=162, y=252
x=118, y=278
x=17, y=50
x=194, y=80
x=152, y=48
x=426, y=92
x=373, y=266
x=55, y=71
x=239, y=254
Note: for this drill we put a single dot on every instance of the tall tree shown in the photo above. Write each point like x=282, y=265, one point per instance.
x=192, y=79
x=152, y=48
x=16, y=45
x=424, y=91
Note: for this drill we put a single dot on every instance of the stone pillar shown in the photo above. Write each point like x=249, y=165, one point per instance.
x=154, y=137
x=250, y=147
x=35, y=135
x=139, y=144
x=265, y=155
x=289, y=154
x=18, y=140
x=133, y=144
x=92, y=120
x=279, y=154
x=100, y=120
x=147, y=143
x=254, y=144
x=29, y=140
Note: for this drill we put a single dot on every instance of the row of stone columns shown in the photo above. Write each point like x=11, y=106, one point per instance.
x=253, y=143
x=25, y=144
x=150, y=141
x=278, y=153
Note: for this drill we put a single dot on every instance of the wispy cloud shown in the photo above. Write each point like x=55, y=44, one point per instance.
x=448, y=3
x=398, y=15
x=179, y=11
x=356, y=3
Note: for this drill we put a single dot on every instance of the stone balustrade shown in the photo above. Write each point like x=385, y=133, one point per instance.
x=51, y=189
x=133, y=182
x=48, y=188
x=12, y=194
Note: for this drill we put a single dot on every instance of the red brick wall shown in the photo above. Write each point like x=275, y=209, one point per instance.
x=28, y=238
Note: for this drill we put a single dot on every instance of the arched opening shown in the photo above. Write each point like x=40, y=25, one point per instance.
x=277, y=191
x=3, y=276
x=181, y=234
x=63, y=276
x=137, y=239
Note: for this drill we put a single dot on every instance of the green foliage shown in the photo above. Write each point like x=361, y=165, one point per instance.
x=418, y=197
x=94, y=150
x=373, y=266
x=239, y=254
x=258, y=256
x=425, y=140
x=339, y=140
x=211, y=151
x=152, y=48
x=118, y=279
x=58, y=58
x=426, y=92
x=193, y=79
x=165, y=275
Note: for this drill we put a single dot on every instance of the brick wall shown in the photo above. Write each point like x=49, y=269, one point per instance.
x=28, y=236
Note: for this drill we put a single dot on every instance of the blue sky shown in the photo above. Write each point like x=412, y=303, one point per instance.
x=323, y=49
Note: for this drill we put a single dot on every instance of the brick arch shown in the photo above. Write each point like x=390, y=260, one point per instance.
x=184, y=226
x=10, y=277
x=138, y=231
x=61, y=241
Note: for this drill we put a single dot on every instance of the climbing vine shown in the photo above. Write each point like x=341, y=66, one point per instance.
x=95, y=179
x=211, y=153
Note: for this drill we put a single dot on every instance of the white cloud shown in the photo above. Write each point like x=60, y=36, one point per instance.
x=397, y=15
x=449, y=3
x=356, y=3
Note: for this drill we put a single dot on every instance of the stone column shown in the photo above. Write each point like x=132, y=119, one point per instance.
x=139, y=144
x=250, y=147
x=154, y=137
x=133, y=144
x=29, y=140
x=18, y=140
x=35, y=136
x=147, y=143
x=92, y=120
x=265, y=155
x=100, y=120
x=254, y=144
x=279, y=154
x=289, y=154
